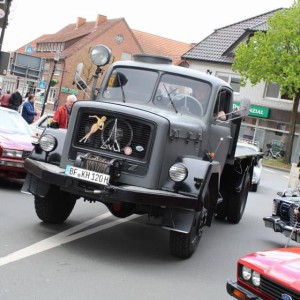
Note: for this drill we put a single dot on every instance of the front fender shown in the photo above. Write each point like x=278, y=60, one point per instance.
x=53, y=157
x=199, y=174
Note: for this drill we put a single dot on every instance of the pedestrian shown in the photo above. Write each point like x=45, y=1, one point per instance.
x=15, y=100
x=4, y=100
x=29, y=112
x=25, y=100
x=62, y=114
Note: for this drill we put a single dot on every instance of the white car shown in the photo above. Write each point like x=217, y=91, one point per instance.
x=40, y=124
x=247, y=148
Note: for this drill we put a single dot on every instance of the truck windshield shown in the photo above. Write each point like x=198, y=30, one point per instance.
x=168, y=91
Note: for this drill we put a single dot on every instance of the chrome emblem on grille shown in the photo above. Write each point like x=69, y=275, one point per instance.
x=117, y=136
x=286, y=297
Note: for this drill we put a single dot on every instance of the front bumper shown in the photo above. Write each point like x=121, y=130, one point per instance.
x=278, y=225
x=235, y=290
x=41, y=175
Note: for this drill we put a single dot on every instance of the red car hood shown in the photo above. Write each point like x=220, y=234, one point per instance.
x=15, y=141
x=281, y=265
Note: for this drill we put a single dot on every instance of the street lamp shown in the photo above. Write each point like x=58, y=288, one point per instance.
x=56, y=59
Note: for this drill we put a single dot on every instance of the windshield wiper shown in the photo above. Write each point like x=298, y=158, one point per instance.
x=170, y=98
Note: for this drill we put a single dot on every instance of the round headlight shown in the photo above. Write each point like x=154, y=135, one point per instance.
x=100, y=55
x=256, y=278
x=178, y=172
x=246, y=273
x=48, y=142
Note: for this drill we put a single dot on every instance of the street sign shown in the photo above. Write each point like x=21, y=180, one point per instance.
x=29, y=49
x=42, y=84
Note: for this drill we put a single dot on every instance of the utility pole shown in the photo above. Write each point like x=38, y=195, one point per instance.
x=56, y=59
x=5, y=20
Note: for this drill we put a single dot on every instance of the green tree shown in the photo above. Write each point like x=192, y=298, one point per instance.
x=274, y=56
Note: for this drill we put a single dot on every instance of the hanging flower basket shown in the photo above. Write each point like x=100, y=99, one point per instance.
x=53, y=82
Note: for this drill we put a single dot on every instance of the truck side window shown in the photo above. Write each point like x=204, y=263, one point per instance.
x=222, y=105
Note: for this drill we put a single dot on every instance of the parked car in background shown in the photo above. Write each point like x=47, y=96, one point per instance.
x=271, y=275
x=248, y=147
x=16, y=139
x=41, y=123
x=284, y=218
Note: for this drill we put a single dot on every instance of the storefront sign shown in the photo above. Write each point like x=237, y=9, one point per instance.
x=255, y=111
x=69, y=91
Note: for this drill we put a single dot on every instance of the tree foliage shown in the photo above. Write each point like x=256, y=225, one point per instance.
x=274, y=56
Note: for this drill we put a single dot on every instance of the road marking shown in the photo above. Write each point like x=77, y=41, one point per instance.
x=63, y=238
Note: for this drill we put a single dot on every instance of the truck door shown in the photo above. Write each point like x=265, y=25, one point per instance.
x=221, y=137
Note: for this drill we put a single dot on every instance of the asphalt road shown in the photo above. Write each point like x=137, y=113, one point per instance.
x=95, y=256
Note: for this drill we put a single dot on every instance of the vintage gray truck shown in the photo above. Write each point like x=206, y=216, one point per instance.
x=147, y=144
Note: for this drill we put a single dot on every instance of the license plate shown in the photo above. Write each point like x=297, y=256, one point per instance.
x=87, y=175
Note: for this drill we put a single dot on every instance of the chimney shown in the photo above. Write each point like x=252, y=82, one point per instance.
x=100, y=19
x=80, y=22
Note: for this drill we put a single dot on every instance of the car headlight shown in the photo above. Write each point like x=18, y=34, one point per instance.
x=256, y=278
x=178, y=172
x=246, y=273
x=12, y=153
x=48, y=142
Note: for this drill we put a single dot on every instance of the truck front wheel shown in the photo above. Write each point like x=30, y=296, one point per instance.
x=55, y=207
x=183, y=245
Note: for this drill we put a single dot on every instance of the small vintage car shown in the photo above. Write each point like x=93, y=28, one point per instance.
x=285, y=218
x=267, y=275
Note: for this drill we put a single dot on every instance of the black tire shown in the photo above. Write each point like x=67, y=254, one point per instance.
x=183, y=245
x=55, y=208
x=254, y=187
x=237, y=202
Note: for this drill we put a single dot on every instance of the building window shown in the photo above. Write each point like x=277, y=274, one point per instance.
x=273, y=91
x=57, y=69
x=125, y=56
x=46, y=68
x=233, y=80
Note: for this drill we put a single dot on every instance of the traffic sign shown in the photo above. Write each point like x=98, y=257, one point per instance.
x=42, y=84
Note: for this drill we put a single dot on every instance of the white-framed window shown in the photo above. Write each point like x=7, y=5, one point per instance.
x=233, y=80
x=57, y=69
x=125, y=56
x=273, y=91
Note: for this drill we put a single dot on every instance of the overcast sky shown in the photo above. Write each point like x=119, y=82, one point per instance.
x=188, y=21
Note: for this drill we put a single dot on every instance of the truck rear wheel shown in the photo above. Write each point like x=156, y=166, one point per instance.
x=237, y=202
x=183, y=245
x=55, y=208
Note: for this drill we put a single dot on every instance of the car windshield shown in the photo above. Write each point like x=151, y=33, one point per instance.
x=167, y=91
x=13, y=122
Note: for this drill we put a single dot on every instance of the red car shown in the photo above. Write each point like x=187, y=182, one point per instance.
x=16, y=139
x=269, y=275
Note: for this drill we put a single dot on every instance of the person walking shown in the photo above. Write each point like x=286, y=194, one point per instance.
x=62, y=114
x=15, y=100
x=28, y=111
x=4, y=100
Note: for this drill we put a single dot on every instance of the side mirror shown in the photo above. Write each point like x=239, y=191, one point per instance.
x=117, y=79
x=244, y=107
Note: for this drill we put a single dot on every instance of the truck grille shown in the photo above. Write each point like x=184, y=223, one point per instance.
x=293, y=217
x=114, y=133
